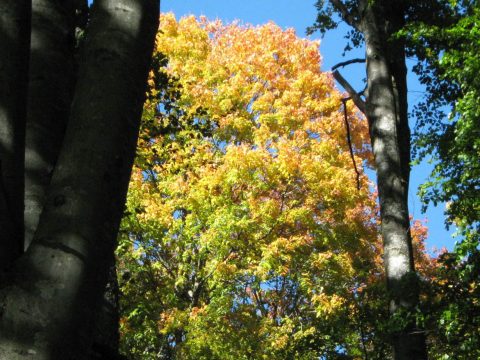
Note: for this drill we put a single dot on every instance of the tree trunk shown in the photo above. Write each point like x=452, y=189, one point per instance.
x=386, y=108
x=50, y=92
x=57, y=285
x=52, y=76
x=14, y=45
x=106, y=335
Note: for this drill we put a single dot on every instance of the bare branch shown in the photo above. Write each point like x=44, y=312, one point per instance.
x=348, y=62
x=351, y=91
x=349, y=140
x=346, y=15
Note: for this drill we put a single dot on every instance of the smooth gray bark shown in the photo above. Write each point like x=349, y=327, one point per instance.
x=386, y=111
x=57, y=286
x=14, y=48
x=50, y=92
x=386, y=108
x=52, y=76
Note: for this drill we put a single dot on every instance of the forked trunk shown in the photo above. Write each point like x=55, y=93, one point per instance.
x=55, y=42
x=57, y=285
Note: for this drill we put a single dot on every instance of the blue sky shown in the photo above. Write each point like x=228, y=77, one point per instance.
x=300, y=14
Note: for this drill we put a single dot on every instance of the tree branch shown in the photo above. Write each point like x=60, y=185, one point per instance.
x=349, y=140
x=348, y=62
x=347, y=16
x=351, y=91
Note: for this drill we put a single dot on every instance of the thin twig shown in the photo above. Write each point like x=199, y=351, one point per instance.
x=348, y=62
x=349, y=140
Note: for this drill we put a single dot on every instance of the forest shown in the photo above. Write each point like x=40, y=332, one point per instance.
x=189, y=188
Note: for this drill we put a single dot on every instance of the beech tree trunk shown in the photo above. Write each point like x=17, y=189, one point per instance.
x=50, y=92
x=55, y=43
x=386, y=110
x=14, y=50
x=55, y=289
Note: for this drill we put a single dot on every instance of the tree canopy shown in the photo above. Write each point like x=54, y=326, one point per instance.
x=246, y=235
x=251, y=229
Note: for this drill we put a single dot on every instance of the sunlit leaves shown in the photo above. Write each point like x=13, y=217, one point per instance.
x=245, y=235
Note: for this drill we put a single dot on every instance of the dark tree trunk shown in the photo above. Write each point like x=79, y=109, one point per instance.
x=106, y=335
x=14, y=49
x=386, y=110
x=56, y=287
x=52, y=76
x=50, y=92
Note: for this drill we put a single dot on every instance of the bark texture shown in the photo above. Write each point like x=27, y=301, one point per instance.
x=14, y=45
x=57, y=30
x=386, y=109
x=50, y=92
x=56, y=288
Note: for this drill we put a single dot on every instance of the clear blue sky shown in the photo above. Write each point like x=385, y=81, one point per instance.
x=300, y=14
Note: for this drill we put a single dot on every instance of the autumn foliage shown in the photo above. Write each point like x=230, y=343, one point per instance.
x=246, y=236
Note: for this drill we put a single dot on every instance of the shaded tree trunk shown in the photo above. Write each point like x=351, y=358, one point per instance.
x=55, y=289
x=50, y=92
x=14, y=45
x=106, y=334
x=52, y=75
